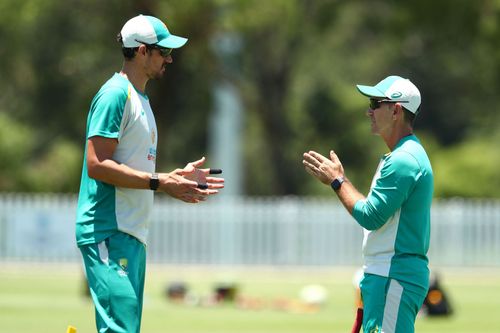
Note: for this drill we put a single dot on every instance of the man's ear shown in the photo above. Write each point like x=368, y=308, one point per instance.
x=398, y=110
x=142, y=49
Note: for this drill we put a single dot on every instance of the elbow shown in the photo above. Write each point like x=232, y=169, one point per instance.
x=368, y=218
x=94, y=169
x=369, y=225
x=372, y=222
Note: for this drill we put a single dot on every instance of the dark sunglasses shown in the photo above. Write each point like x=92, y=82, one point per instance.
x=164, y=51
x=376, y=103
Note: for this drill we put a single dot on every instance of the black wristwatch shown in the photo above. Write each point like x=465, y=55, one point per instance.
x=337, y=183
x=154, y=182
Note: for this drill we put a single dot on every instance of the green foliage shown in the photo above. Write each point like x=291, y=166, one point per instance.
x=59, y=170
x=296, y=73
x=16, y=142
x=468, y=170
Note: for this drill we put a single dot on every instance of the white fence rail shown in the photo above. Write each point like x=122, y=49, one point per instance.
x=249, y=231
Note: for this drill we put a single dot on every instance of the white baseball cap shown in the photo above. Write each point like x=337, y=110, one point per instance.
x=145, y=29
x=397, y=89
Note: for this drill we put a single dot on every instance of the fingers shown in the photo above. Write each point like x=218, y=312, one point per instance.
x=215, y=180
x=191, y=183
x=314, y=158
x=191, y=167
x=323, y=168
x=211, y=171
x=313, y=171
x=198, y=163
x=194, y=167
x=203, y=190
x=308, y=165
x=334, y=157
x=309, y=159
x=208, y=186
x=196, y=195
x=214, y=171
x=212, y=183
x=317, y=156
x=310, y=171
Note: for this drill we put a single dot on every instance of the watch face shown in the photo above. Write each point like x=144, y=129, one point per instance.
x=154, y=182
x=337, y=182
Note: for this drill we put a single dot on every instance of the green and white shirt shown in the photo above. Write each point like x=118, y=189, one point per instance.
x=120, y=112
x=396, y=215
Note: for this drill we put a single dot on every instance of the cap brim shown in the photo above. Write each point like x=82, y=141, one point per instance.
x=370, y=91
x=172, y=42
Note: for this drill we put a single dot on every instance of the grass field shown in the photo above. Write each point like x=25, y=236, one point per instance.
x=47, y=298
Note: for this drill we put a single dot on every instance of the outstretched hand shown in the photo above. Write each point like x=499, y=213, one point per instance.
x=191, y=184
x=323, y=168
x=327, y=170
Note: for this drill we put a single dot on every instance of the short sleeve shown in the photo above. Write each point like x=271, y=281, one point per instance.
x=106, y=112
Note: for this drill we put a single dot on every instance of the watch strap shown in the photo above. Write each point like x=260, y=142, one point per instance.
x=154, y=182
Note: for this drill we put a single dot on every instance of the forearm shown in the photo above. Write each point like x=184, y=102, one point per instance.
x=349, y=195
x=365, y=216
x=117, y=174
x=102, y=167
x=174, y=183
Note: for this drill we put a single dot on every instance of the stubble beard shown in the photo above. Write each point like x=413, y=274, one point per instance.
x=158, y=74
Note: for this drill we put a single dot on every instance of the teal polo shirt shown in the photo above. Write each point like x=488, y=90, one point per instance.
x=118, y=111
x=396, y=215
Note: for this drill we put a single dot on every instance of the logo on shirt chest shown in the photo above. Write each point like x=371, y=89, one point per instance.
x=152, y=150
x=152, y=154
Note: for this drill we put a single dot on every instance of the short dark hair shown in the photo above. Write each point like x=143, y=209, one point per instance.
x=409, y=116
x=128, y=52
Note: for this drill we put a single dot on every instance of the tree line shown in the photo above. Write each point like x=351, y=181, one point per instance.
x=295, y=69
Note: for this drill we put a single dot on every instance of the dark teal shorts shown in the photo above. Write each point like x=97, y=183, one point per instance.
x=389, y=305
x=115, y=271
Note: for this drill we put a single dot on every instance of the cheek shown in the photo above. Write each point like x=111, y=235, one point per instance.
x=161, y=62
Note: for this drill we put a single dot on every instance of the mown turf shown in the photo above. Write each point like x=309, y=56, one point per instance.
x=47, y=298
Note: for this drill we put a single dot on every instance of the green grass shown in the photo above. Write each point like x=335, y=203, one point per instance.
x=48, y=298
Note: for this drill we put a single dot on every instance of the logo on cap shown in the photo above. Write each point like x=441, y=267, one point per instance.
x=396, y=95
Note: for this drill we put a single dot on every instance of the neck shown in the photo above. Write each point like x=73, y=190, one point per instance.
x=397, y=134
x=135, y=76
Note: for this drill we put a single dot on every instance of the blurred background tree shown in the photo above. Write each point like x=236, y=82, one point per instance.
x=296, y=73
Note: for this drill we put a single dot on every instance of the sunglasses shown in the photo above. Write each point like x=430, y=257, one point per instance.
x=164, y=51
x=376, y=103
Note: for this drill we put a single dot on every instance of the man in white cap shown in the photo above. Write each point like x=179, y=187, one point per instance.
x=395, y=214
x=119, y=178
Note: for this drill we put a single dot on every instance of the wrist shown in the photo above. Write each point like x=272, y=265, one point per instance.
x=336, y=184
x=154, y=182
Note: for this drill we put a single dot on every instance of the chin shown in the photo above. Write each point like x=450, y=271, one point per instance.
x=158, y=76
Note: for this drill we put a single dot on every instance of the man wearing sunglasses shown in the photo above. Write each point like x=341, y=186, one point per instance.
x=395, y=215
x=119, y=177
